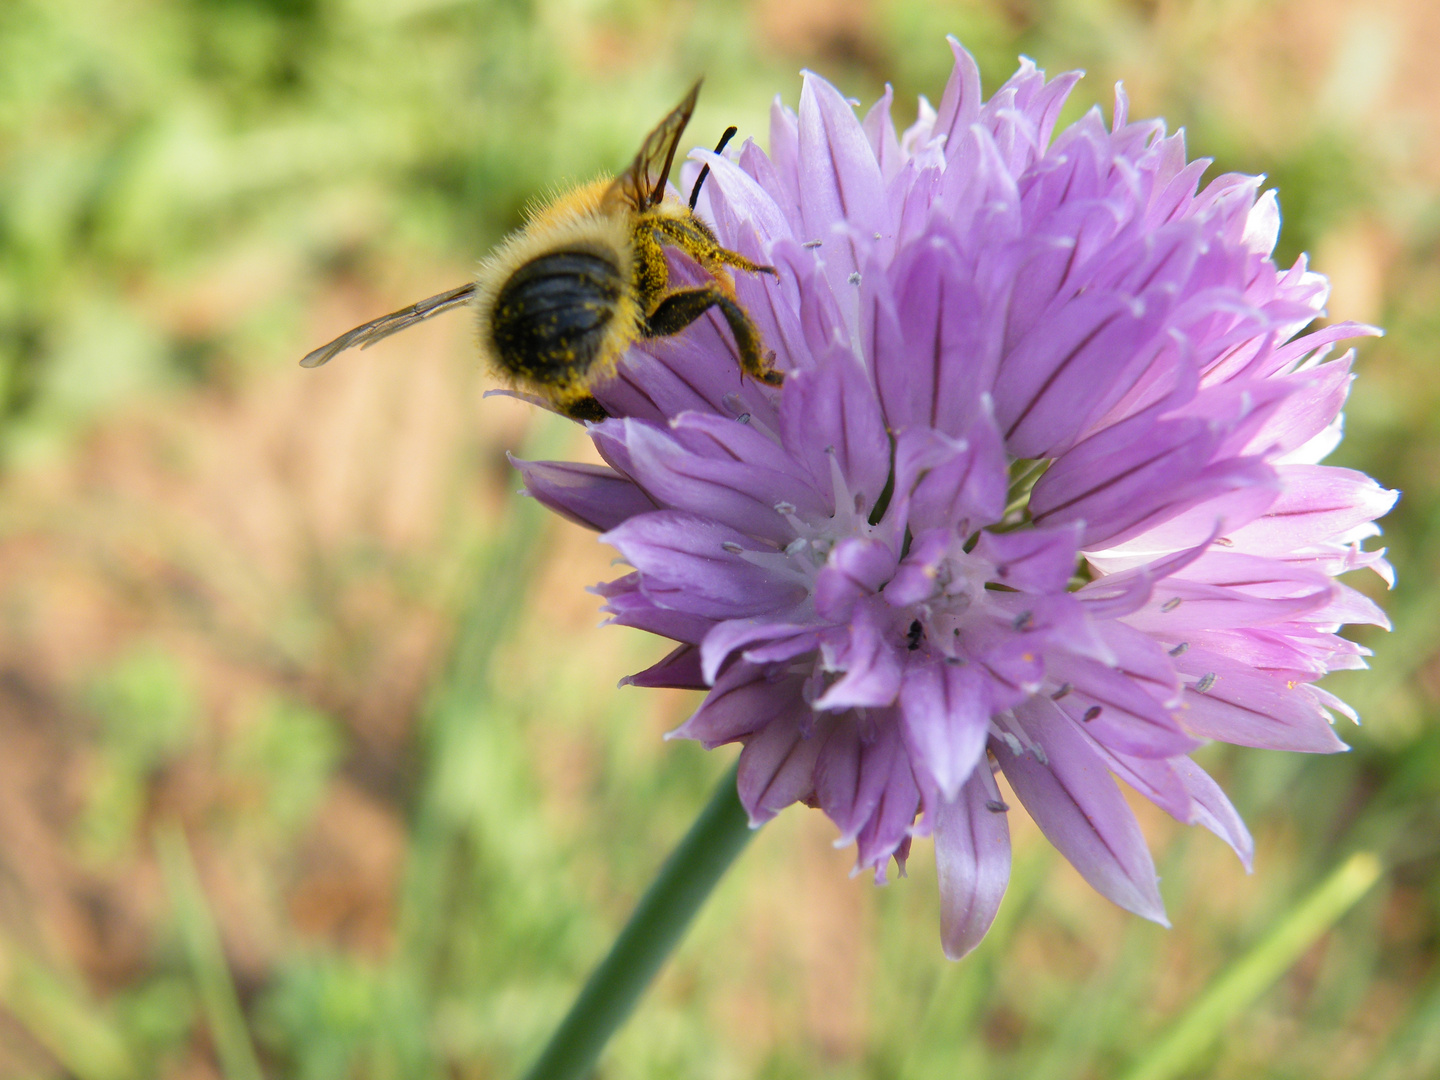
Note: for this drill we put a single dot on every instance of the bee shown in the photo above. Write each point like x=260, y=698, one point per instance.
x=560, y=300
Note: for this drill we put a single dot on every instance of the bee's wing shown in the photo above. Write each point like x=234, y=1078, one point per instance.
x=642, y=185
x=365, y=336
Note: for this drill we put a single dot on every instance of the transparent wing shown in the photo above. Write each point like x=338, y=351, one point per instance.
x=364, y=336
x=642, y=185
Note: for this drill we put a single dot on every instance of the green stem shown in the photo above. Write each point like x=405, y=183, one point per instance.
x=686, y=879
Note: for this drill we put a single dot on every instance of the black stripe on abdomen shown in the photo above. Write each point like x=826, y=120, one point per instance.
x=552, y=316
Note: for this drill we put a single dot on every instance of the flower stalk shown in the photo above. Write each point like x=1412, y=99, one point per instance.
x=659, y=921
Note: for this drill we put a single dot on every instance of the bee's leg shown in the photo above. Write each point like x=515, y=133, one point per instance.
x=735, y=259
x=682, y=307
x=694, y=237
x=652, y=273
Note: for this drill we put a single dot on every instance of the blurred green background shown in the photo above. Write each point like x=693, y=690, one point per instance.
x=310, y=764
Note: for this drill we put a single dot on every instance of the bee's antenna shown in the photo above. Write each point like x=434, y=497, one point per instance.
x=700, y=180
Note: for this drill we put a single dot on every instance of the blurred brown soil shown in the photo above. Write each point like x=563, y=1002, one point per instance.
x=305, y=536
x=294, y=536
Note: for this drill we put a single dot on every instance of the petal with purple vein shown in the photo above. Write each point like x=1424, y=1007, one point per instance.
x=832, y=412
x=726, y=638
x=945, y=718
x=594, y=496
x=1237, y=704
x=872, y=666
x=972, y=862
x=1115, y=711
x=1316, y=502
x=777, y=766
x=1075, y=802
x=744, y=699
x=695, y=565
x=1032, y=560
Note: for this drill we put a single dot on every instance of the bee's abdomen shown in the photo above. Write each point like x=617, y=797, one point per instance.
x=552, y=317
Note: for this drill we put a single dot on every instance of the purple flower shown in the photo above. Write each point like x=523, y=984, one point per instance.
x=1041, y=494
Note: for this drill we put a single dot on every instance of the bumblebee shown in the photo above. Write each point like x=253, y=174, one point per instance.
x=559, y=301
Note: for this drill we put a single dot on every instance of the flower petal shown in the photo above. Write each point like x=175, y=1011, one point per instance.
x=880, y=131
x=945, y=717
x=873, y=669
x=1252, y=708
x=627, y=605
x=1316, y=503
x=856, y=567
x=745, y=698
x=840, y=180
x=679, y=670
x=831, y=412
x=1210, y=807
x=777, y=766
x=1032, y=560
x=856, y=776
x=1075, y=802
x=741, y=495
x=1115, y=710
x=594, y=496
x=950, y=330
x=724, y=639
x=957, y=484
x=972, y=862
x=692, y=564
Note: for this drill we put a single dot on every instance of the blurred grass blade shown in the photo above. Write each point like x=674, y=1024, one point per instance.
x=656, y=926
x=61, y=1017
x=946, y=1038
x=1414, y=1049
x=505, y=571
x=202, y=946
x=1249, y=977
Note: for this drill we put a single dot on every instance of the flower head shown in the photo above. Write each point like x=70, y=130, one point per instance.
x=1040, y=494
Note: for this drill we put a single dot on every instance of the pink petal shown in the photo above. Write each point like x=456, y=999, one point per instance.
x=945, y=719
x=590, y=495
x=699, y=566
x=972, y=862
x=777, y=766
x=1080, y=810
x=744, y=700
x=1252, y=708
x=1032, y=560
